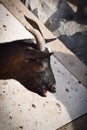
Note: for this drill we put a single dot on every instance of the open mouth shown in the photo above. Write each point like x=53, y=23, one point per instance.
x=42, y=91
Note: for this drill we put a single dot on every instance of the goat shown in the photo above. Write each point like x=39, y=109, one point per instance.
x=28, y=63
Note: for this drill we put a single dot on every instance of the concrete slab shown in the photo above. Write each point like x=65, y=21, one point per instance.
x=22, y=109
x=10, y=29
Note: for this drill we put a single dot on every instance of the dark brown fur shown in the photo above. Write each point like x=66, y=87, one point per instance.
x=23, y=61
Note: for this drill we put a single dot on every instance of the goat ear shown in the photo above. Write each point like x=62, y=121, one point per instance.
x=34, y=55
x=33, y=23
x=50, y=40
x=42, y=56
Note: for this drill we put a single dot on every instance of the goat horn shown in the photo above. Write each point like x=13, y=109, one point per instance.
x=38, y=35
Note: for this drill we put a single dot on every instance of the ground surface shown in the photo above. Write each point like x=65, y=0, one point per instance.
x=68, y=32
x=61, y=18
x=81, y=122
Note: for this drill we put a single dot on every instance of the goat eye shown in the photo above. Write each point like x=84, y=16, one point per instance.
x=37, y=60
x=26, y=61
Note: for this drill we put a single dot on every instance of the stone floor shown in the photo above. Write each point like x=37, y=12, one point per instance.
x=67, y=38
x=61, y=18
x=78, y=124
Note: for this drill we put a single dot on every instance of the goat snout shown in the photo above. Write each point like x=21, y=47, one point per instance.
x=52, y=88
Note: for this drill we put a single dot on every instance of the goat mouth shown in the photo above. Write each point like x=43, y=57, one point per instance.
x=42, y=91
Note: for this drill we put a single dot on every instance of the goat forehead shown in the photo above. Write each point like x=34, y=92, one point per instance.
x=43, y=62
x=44, y=66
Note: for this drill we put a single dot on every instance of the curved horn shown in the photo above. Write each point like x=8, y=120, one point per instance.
x=36, y=33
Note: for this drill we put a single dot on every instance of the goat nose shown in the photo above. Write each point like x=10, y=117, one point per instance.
x=54, y=88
